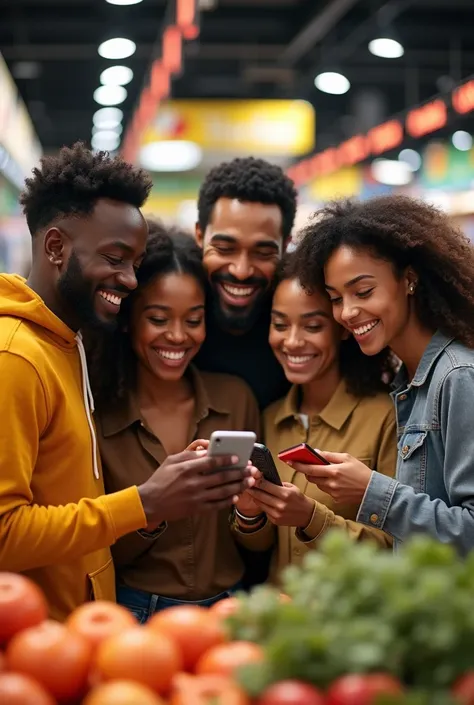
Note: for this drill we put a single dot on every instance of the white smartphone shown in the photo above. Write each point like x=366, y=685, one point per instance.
x=238, y=443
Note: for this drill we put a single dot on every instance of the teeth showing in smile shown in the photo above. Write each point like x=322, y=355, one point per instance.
x=238, y=290
x=116, y=300
x=168, y=355
x=299, y=360
x=365, y=329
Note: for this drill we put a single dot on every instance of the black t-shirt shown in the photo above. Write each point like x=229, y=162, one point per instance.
x=248, y=356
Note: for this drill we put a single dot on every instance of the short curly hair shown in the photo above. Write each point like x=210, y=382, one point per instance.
x=252, y=180
x=112, y=362
x=70, y=183
x=407, y=233
x=364, y=376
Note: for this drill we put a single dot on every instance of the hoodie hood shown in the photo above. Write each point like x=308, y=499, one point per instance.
x=19, y=301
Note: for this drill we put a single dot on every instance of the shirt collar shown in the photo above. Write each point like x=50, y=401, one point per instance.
x=438, y=343
x=126, y=413
x=335, y=413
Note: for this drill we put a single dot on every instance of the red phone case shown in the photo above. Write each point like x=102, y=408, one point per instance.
x=302, y=453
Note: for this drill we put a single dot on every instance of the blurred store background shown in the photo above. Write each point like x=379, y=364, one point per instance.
x=353, y=97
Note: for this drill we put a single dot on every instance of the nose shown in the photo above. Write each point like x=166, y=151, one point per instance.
x=176, y=333
x=241, y=267
x=349, y=312
x=294, y=339
x=128, y=278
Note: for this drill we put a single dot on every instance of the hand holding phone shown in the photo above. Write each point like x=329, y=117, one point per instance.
x=263, y=460
x=302, y=453
x=239, y=443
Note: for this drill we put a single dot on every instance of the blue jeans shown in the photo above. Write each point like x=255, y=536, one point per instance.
x=144, y=604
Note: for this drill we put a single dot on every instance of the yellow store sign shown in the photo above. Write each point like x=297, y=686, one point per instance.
x=283, y=128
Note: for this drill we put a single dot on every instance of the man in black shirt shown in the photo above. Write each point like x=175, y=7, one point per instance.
x=246, y=211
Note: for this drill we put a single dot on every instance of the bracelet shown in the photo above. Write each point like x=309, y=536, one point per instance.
x=249, y=520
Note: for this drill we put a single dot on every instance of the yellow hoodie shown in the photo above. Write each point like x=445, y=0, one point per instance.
x=56, y=524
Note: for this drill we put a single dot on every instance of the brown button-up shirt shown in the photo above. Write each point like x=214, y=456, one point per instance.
x=194, y=558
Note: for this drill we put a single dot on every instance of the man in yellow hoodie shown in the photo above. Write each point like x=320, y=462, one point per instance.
x=56, y=524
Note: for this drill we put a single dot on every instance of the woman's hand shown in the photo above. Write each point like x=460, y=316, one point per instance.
x=284, y=506
x=345, y=479
x=246, y=504
x=199, y=444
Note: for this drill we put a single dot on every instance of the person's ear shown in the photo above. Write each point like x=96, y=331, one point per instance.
x=199, y=235
x=411, y=281
x=56, y=246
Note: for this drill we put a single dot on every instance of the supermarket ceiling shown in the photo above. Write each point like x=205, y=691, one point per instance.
x=246, y=49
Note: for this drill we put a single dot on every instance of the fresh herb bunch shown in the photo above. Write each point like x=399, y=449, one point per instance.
x=356, y=609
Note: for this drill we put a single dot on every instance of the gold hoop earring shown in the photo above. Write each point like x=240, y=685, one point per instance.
x=411, y=289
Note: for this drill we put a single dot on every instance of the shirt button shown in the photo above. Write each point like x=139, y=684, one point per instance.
x=297, y=551
x=374, y=518
x=405, y=450
x=402, y=397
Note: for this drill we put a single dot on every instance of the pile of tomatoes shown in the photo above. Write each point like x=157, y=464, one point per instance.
x=102, y=656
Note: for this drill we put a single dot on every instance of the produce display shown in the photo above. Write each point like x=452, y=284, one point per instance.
x=354, y=626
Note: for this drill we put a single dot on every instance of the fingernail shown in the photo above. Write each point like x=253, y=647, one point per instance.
x=235, y=459
x=235, y=499
x=290, y=463
x=251, y=481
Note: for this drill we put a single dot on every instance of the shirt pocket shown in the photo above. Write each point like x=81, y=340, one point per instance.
x=102, y=582
x=411, y=464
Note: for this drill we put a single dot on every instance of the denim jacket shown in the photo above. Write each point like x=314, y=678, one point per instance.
x=433, y=492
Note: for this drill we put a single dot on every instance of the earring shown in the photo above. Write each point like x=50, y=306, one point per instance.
x=411, y=288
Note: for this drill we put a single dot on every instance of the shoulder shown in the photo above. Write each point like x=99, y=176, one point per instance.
x=455, y=365
x=274, y=410
x=379, y=405
x=18, y=338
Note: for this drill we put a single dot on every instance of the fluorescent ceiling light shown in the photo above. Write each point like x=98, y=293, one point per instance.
x=170, y=156
x=107, y=118
x=462, y=140
x=110, y=95
x=116, y=76
x=118, y=48
x=391, y=172
x=410, y=157
x=386, y=48
x=117, y=129
x=105, y=140
x=123, y=2
x=332, y=82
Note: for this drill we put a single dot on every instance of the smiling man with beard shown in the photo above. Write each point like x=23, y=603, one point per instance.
x=246, y=211
x=56, y=523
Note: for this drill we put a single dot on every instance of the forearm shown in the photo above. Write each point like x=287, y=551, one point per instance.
x=33, y=536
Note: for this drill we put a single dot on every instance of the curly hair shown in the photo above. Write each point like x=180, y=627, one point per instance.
x=252, y=180
x=112, y=361
x=407, y=233
x=70, y=183
x=364, y=376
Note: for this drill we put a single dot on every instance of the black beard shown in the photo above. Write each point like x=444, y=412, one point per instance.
x=78, y=297
x=235, y=318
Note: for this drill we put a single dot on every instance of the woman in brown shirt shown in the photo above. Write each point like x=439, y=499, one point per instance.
x=337, y=401
x=152, y=403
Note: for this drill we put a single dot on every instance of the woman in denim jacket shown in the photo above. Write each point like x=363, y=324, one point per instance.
x=400, y=274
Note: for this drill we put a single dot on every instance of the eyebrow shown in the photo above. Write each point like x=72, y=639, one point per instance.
x=119, y=244
x=199, y=307
x=310, y=314
x=232, y=240
x=351, y=282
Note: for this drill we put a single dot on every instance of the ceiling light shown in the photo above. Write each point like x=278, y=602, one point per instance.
x=332, y=82
x=117, y=129
x=391, y=172
x=118, y=48
x=107, y=118
x=116, y=76
x=410, y=157
x=123, y=2
x=174, y=155
x=386, y=48
x=105, y=139
x=110, y=95
x=462, y=140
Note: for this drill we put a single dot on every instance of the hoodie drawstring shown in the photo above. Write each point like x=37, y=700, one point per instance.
x=88, y=400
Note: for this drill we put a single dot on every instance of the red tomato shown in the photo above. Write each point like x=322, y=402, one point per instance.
x=291, y=693
x=362, y=689
x=224, y=608
x=17, y=689
x=139, y=654
x=225, y=658
x=22, y=605
x=194, y=629
x=203, y=690
x=53, y=656
x=463, y=689
x=96, y=621
x=122, y=693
